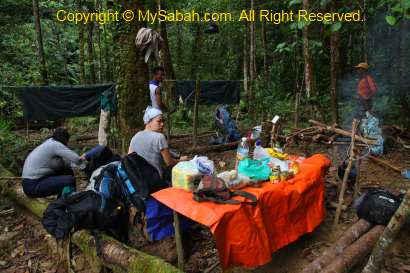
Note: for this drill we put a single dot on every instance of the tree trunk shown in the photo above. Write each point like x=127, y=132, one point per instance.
x=403, y=90
x=132, y=77
x=246, y=63
x=364, y=32
x=81, y=57
x=114, y=255
x=98, y=4
x=309, y=81
x=40, y=48
x=347, y=238
x=355, y=253
x=196, y=52
x=374, y=265
x=90, y=43
x=252, y=67
x=107, y=60
x=165, y=52
x=334, y=72
x=265, y=53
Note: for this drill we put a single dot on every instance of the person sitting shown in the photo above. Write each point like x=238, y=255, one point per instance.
x=152, y=145
x=47, y=169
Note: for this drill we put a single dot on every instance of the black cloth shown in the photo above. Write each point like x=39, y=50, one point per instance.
x=55, y=102
x=212, y=92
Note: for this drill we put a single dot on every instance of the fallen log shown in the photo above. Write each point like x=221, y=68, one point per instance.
x=384, y=163
x=114, y=255
x=190, y=135
x=390, y=232
x=203, y=149
x=187, y=139
x=343, y=132
x=355, y=253
x=348, y=237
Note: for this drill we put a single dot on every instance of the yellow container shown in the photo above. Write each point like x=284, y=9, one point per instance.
x=185, y=175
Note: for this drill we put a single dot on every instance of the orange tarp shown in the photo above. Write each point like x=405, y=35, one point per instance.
x=247, y=236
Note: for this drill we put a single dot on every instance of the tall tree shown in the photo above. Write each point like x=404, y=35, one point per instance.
x=309, y=81
x=40, y=48
x=334, y=68
x=165, y=52
x=132, y=73
x=196, y=51
x=81, y=49
x=90, y=52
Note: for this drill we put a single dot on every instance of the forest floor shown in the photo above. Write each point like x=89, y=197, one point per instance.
x=25, y=246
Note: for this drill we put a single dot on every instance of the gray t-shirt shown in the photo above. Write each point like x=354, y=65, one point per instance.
x=47, y=158
x=149, y=144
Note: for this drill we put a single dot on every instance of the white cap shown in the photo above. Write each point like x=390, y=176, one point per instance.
x=244, y=139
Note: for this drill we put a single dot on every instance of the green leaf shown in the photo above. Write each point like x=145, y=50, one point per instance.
x=336, y=27
x=302, y=24
x=391, y=20
x=294, y=2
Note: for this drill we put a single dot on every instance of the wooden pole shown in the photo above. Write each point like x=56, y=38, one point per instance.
x=355, y=253
x=178, y=242
x=384, y=163
x=347, y=238
x=347, y=172
x=195, y=120
x=357, y=182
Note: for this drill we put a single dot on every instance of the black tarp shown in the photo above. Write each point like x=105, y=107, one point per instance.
x=55, y=102
x=212, y=92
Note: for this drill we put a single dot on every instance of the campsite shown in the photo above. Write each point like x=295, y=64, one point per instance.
x=205, y=136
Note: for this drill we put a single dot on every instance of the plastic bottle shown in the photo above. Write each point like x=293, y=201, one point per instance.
x=242, y=152
x=259, y=153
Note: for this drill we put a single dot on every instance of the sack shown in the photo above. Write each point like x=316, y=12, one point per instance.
x=377, y=206
x=138, y=179
x=85, y=210
x=214, y=189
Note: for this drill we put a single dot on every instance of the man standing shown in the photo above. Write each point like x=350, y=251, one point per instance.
x=366, y=89
x=155, y=88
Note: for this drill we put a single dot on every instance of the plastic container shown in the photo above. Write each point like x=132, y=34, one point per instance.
x=260, y=153
x=242, y=152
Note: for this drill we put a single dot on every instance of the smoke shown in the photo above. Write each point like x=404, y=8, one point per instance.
x=385, y=59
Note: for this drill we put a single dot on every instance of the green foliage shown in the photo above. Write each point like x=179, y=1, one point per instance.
x=391, y=20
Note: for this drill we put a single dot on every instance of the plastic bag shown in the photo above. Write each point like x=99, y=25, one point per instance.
x=233, y=180
x=204, y=165
x=255, y=169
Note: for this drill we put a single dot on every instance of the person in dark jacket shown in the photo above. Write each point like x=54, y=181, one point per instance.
x=47, y=169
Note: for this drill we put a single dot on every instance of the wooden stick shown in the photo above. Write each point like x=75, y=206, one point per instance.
x=347, y=172
x=343, y=132
x=195, y=119
x=202, y=149
x=357, y=182
x=384, y=163
x=178, y=242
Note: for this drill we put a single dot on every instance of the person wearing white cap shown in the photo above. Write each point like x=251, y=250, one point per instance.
x=151, y=143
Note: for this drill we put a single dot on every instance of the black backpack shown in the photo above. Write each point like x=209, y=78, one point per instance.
x=138, y=179
x=103, y=156
x=378, y=206
x=85, y=210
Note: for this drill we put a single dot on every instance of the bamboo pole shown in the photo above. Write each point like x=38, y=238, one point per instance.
x=347, y=172
x=357, y=182
x=195, y=119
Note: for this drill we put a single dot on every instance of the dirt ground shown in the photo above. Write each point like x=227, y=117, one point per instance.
x=24, y=247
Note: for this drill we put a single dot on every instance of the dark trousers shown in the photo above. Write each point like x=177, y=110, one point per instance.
x=49, y=185
x=362, y=106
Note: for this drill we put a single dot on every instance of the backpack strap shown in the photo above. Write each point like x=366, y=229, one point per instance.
x=247, y=195
x=202, y=198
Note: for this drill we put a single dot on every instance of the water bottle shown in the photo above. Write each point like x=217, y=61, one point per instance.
x=242, y=152
x=259, y=152
x=406, y=174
